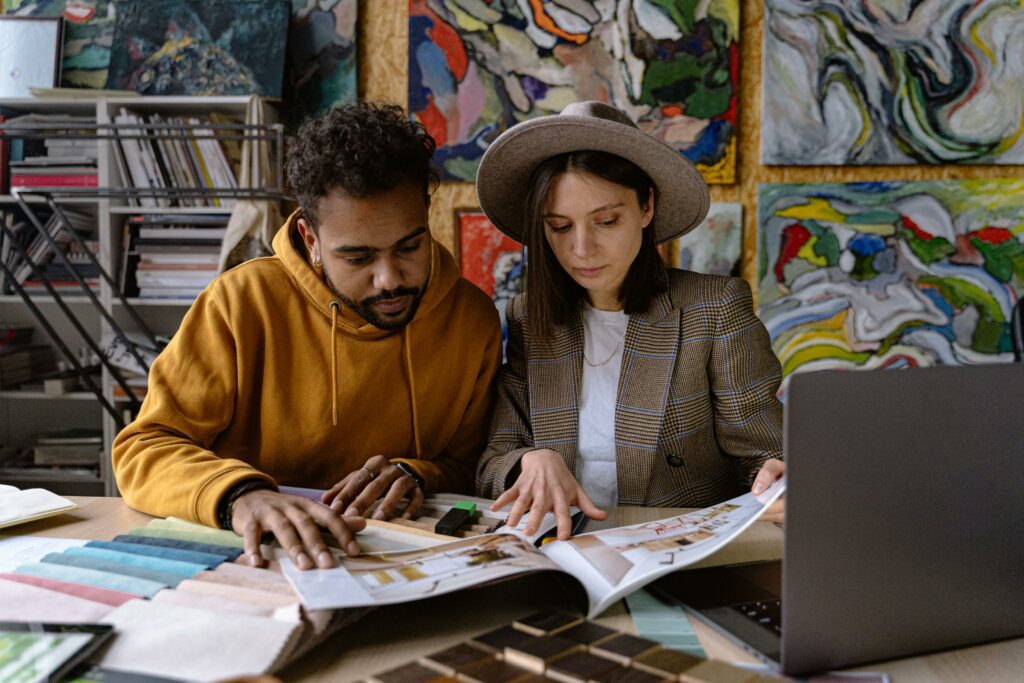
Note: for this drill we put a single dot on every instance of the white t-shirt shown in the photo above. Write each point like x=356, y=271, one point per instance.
x=603, y=339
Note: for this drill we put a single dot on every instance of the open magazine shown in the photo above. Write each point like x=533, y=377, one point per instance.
x=608, y=564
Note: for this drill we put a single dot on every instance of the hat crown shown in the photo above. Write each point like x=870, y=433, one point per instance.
x=598, y=110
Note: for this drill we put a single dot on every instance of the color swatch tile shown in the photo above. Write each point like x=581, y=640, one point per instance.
x=229, y=554
x=24, y=602
x=185, y=570
x=166, y=580
x=91, y=577
x=208, y=560
x=663, y=623
x=183, y=535
x=101, y=595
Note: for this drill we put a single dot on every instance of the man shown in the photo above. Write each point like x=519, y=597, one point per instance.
x=356, y=356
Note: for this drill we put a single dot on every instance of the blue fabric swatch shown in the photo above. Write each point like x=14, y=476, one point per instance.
x=91, y=577
x=229, y=554
x=163, y=578
x=208, y=560
x=186, y=570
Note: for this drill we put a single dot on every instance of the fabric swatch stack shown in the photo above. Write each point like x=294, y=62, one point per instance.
x=181, y=607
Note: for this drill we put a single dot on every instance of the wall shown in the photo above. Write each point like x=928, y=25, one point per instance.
x=383, y=43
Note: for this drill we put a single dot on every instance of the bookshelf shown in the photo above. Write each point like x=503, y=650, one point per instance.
x=26, y=412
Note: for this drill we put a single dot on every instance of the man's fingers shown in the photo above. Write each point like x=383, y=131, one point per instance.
x=354, y=485
x=289, y=539
x=251, y=535
x=309, y=533
x=587, y=505
x=369, y=494
x=342, y=528
x=399, y=489
x=331, y=493
x=415, y=503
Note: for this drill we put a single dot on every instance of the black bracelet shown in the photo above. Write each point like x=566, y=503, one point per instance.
x=225, y=510
x=412, y=473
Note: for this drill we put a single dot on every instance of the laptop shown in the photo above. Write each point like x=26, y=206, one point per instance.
x=904, y=523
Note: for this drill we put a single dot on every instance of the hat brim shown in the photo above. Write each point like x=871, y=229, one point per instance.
x=681, y=197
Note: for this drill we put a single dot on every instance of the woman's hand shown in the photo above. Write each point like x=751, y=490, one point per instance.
x=771, y=471
x=545, y=484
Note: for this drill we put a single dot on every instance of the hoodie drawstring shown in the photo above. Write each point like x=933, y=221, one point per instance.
x=335, y=307
x=407, y=334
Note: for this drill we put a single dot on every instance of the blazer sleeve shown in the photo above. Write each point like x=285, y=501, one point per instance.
x=745, y=375
x=510, y=436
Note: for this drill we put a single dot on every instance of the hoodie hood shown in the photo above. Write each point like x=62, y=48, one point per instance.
x=291, y=250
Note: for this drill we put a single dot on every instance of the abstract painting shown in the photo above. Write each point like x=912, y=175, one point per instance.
x=477, y=68
x=890, y=274
x=88, y=34
x=490, y=260
x=896, y=82
x=714, y=247
x=199, y=47
x=321, y=57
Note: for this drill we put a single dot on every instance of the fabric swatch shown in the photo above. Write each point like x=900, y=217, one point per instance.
x=208, y=560
x=214, y=603
x=251, y=595
x=163, y=578
x=91, y=577
x=185, y=570
x=162, y=639
x=224, y=536
x=229, y=577
x=101, y=595
x=230, y=554
x=663, y=623
x=24, y=602
x=210, y=537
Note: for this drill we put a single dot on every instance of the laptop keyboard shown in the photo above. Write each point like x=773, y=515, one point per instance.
x=767, y=613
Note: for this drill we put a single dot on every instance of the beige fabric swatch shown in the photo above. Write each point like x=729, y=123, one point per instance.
x=213, y=603
x=250, y=595
x=248, y=577
x=25, y=602
x=163, y=639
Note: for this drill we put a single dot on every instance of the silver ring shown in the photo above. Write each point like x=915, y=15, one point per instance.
x=372, y=474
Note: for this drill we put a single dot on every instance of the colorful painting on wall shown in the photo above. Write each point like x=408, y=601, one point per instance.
x=477, y=68
x=199, y=47
x=321, y=57
x=715, y=246
x=88, y=33
x=490, y=260
x=931, y=82
x=890, y=274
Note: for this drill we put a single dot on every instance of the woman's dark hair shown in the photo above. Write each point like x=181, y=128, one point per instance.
x=361, y=149
x=553, y=297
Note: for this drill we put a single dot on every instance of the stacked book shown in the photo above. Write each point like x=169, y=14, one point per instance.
x=42, y=253
x=19, y=364
x=172, y=256
x=185, y=154
x=71, y=447
x=65, y=158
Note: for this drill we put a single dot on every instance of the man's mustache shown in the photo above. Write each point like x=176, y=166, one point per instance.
x=392, y=294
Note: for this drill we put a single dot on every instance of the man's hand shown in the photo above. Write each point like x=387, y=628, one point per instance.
x=771, y=471
x=295, y=522
x=545, y=484
x=378, y=477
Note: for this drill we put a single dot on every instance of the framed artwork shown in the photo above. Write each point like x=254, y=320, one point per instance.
x=321, y=57
x=489, y=259
x=476, y=69
x=890, y=274
x=715, y=247
x=931, y=82
x=199, y=47
x=88, y=33
x=30, y=50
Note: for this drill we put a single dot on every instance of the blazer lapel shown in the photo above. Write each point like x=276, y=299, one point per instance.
x=648, y=360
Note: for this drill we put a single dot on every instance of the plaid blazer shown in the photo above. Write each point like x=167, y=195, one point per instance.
x=696, y=413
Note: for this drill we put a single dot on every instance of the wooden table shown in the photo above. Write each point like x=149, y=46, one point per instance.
x=391, y=635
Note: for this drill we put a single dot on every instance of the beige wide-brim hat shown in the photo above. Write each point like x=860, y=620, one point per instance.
x=681, y=196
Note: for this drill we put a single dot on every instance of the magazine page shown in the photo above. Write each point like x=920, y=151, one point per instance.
x=615, y=562
x=388, y=578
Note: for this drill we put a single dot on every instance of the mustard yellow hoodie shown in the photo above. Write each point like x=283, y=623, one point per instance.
x=245, y=388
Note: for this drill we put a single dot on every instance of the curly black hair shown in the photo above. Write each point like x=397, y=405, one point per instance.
x=360, y=149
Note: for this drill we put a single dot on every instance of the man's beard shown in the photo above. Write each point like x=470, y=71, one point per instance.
x=365, y=307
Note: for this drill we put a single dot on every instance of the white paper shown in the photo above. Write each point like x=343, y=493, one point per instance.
x=17, y=506
x=18, y=550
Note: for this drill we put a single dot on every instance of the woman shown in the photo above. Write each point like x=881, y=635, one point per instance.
x=625, y=383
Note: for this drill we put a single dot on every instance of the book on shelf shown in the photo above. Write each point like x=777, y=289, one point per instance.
x=54, y=160
x=171, y=256
x=69, y=447
x=42, y=253
x=19, y=364
x=184, y=155
x=603, y=565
